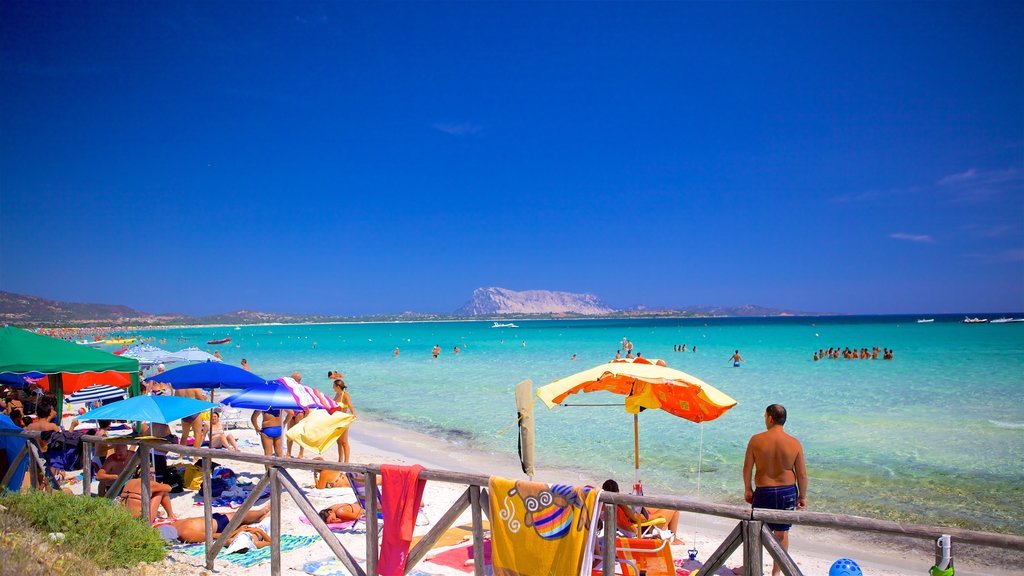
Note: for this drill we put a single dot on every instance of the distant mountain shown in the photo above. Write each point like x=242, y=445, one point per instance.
x=18, y=308
x=492, y=301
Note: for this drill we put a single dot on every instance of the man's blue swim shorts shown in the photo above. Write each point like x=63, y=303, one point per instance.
x=776, y=498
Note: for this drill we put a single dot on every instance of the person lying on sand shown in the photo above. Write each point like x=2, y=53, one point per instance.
x=194, y=529
x=341, y=513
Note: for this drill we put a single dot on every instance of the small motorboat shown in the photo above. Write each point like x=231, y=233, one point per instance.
x=121, y=341
x=969, y=320
x=221, y=341
x=1005, y=320
x=926, y=320
x=90, y=343
x=500, y=325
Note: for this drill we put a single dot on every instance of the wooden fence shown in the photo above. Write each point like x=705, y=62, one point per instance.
x=751, y=532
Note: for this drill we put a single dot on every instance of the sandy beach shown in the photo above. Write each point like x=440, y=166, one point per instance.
x=377, y=442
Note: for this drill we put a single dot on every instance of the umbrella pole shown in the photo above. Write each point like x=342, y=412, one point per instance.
x=636, y=453
x=210, y=431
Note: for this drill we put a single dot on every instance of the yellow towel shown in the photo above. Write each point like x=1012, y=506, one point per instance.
x=319, y=430
x=541, y=529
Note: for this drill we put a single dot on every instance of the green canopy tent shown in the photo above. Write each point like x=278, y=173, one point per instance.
x=22, y=351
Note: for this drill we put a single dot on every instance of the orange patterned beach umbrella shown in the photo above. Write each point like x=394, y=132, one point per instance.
x=646, y=384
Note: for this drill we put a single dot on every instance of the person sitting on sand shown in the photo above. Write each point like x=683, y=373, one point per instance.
x=221, y=439
x=341, y=513
x=193, y=530
x=627, y=519
x=160, y=495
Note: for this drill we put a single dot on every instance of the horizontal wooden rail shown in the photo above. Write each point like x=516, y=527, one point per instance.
x=743, y=513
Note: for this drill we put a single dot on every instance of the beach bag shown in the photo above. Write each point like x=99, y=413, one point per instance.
x=64, y=450
x=192, y=477
x=224, y=478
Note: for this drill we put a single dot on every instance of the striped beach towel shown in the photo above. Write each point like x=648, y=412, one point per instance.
x=253, y=557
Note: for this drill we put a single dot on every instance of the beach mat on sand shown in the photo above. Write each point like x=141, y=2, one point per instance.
x=452, y=536
x=459, y=557
x=253, y=557
x=332, y=567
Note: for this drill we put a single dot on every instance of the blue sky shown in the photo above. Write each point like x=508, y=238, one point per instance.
x=358, y=158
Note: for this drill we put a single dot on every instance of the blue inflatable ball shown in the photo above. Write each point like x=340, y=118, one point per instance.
x=845, y=567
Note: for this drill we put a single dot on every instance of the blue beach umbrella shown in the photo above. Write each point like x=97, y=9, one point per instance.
x=280, y=394
x=208, y=375
x=95, y=392
x=19, y=380
x=161, y=409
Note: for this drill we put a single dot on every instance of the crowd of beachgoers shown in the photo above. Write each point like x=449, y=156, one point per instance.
x=854, y=354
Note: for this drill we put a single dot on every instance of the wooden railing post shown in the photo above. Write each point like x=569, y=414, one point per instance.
x=33, y=464
x=275, y=522
x=753, y=554
x=208, y=508
x=86, y=468
x=372, y=526
x=146, y=491
x=478, y=530
x=608, y=552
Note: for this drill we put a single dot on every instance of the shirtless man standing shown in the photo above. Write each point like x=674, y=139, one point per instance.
x=780, y=476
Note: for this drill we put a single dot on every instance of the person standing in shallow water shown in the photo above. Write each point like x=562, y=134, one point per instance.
x=736, y=359
x=780, y=476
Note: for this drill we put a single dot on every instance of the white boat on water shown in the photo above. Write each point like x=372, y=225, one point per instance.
x=90, y=343
x=1005, y=320
x=926, y=320
x=500, y=325
x=969, y=320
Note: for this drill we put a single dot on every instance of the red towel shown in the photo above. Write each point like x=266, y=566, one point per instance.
x=401, y=492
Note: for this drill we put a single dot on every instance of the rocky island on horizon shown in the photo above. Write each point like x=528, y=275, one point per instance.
x=484, y=304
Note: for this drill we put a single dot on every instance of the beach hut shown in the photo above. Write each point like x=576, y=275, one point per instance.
x=68, y=366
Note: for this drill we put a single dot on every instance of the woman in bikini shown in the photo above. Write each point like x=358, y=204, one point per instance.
x=341, y=513
x=345, y=403
x=270, y=430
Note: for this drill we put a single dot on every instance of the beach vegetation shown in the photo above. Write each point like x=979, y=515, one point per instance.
x=102, y=533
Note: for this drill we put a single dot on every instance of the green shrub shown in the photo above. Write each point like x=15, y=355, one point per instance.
x=94, y=528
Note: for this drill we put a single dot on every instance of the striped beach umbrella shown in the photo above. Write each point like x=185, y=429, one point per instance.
x=94, y=393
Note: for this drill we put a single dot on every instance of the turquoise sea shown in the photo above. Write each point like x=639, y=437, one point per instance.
x=934, y=436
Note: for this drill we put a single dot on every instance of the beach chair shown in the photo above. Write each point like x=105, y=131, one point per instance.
x=232, y=418
x=640, y=556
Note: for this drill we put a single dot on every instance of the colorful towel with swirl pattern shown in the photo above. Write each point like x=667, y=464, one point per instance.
x=539, y=529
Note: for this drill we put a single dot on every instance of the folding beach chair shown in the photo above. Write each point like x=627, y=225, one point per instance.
x=358, y=485
x=652, y=557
